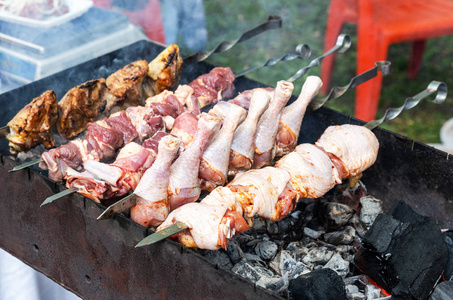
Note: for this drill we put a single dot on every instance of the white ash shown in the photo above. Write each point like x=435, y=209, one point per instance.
x=250, y=272
x=338, y=264
x=314, y=234
x=278, y=285
x=341, y=237
x=318, y=256
x=338, y=214
x=372, y=292
x=266, y=249
x=371, y=208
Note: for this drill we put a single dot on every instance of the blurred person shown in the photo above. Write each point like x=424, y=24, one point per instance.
x=21, y=282
x=185, y=18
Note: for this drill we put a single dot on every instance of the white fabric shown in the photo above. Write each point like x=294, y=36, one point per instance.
x=21, y=282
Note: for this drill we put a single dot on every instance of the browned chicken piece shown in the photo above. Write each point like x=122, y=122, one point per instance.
x=83, y=104
x=33, y=124
x=165, y=69
x=130, y=84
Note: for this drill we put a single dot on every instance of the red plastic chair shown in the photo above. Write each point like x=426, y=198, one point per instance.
x=380, y=23
x=149, y=18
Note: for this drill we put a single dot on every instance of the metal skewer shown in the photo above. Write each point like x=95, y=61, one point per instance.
x=342, y=45
x=336, y=92
x=4, y=131
x=120, y=206
x=440, y=88
x=26, y=165
x=273, y=22
x=302, y=51
x=59, y=195
x=162, y=234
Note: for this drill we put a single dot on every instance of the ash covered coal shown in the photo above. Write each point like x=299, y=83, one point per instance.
x=314, y=242
x=404, y=252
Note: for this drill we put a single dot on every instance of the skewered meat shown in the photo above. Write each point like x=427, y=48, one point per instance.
x=184, y=186
x=272, y=192
x=93, y=100
x=32, y=125
x=188, y=99
x=130, y=85
x=102, y=181
x=351, y=148
x=214, y=86
x=244, y=98
x=267, y=128
x=83, y=104
x=311, y=170
x=260, y=193
x=243, y=144
x=165, y=70
x=211, y=225
x=293, y=114
x=215, y=159
x=185, y=127
x=152, y=191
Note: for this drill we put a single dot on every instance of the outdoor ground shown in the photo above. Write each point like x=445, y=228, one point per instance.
x=304, y=22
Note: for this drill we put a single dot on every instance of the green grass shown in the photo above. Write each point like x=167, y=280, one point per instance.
x=304, y=22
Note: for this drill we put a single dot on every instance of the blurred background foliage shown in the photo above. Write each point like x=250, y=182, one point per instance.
x=305, y=22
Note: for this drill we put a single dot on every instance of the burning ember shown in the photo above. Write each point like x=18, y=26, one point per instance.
x=341, y=246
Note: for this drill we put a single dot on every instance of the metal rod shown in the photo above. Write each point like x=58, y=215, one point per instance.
x=4, y=131
x=26, y=165
x=120, y=206
x=342, y=45
x=440, y=88
x=59, y=195
x=302, y=51
x=273, y=22
x=162, y=234
x=336, y=92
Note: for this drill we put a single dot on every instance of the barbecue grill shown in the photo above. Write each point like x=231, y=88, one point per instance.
x=97, y=259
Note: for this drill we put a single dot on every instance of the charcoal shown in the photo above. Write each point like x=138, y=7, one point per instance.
x=255, y=260
x=338, y=264
x=357, y=296
x=259, y=225
x=318, y=284
x=278, y=285
x=235, y=252
x=272, y=228
x=266, y=250
x=341, y=237
x=299, y=269
x=297, y=250
x=287, y=262
x=371, y=208
x=404, y=252
x=218, y=258
x=335, y=215
x=350, y=288
x=250, y=272
x=448, y=273
x=312, y=233
x=443, y=291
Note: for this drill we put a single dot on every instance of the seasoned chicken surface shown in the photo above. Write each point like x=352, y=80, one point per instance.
x=33, y=124
x=82, y=104
x=165, y=69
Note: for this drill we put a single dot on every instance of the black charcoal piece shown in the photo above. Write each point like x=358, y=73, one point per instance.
x=218, y=258
x=266, y=249
x=448, y=274
x=235, y=252
x=318, y=284
x=404, y=252
x=334, y=215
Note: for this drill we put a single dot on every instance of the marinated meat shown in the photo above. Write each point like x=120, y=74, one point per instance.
x=214, y=86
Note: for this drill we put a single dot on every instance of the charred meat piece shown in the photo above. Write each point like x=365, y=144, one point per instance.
x=128, y=84
x=33, y=124
x=214, y=86
x=165, y=70
x=83, y=104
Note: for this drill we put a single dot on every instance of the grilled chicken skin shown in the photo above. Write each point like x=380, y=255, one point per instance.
x=33, y=124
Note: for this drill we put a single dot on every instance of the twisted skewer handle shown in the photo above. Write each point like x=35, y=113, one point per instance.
x=273, y=22
x=435, y=87
x=302, y=51
x=336, y=92
x=342, y=45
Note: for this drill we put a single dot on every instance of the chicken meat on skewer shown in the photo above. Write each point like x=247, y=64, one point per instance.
x=212, y=222
x=216, y=157
x=272, y=192
x=243, y=144
x=184, y=186
x=152, y=207
x=185, y=127
x=33, y=124
x=293, y=114
x=214, y=86
x=267, y=127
